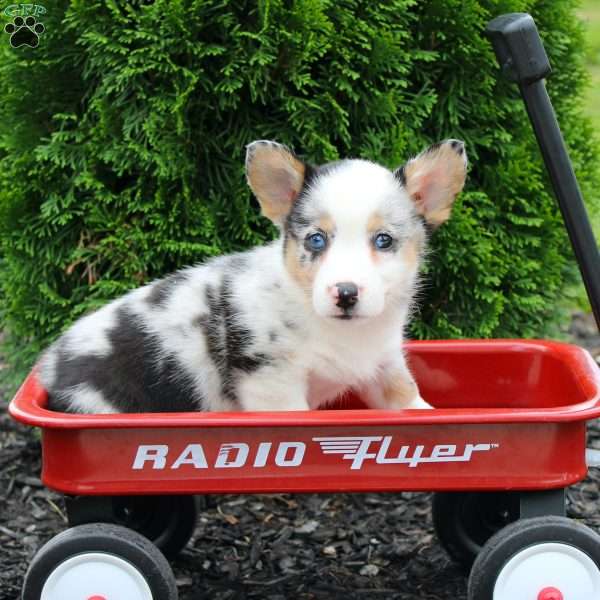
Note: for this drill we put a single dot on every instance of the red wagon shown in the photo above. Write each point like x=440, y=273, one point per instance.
x=510, y=418
x=507, y=438
x=507, y=412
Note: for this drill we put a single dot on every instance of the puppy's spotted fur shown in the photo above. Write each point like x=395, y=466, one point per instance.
x=287, y=326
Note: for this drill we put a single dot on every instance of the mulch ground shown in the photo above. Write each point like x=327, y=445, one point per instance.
x=275, y=547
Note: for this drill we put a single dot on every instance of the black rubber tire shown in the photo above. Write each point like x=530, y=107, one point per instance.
x=464, y=521
x=167, y=521
x=107, y=538
x=520, y=535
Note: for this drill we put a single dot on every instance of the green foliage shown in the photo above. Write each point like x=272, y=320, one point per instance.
x=590, y=12
x=122, y=141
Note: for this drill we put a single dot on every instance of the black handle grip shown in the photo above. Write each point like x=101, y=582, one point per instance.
x=518, y=47
x=523, y=59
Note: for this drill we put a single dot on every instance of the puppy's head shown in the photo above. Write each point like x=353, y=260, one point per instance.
x=354, y=232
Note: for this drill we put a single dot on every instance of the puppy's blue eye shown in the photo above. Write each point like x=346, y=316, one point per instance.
x=383, y=241
x=316, y=242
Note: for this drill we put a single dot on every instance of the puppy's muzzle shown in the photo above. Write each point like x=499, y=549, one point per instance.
x=347, y=295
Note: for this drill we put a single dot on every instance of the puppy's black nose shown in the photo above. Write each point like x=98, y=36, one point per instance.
x=347, y=294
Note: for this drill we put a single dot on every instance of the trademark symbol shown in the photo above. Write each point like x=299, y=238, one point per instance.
x=494, y=445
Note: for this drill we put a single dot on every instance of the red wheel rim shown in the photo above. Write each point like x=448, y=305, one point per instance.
x=550, y=593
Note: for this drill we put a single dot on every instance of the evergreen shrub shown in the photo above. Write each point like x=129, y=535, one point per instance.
x=122, y=140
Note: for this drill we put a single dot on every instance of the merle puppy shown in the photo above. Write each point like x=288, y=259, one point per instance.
x=286, y=326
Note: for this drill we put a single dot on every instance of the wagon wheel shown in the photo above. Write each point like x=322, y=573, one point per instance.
x=543, y=558
x=464, y=521
x=99, y=561
x=167, y=521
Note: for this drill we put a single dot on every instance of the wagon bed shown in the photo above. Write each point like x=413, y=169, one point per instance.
x=510, y=415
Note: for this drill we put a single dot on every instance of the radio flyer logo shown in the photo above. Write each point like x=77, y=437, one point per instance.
x=382, y=450
x=377, y=448
x=25, y=28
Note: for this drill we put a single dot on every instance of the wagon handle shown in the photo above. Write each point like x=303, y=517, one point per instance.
x=523, y=60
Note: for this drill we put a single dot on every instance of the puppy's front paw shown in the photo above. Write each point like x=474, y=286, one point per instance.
x=403, y=404
x=397, y=390
x=418, y=402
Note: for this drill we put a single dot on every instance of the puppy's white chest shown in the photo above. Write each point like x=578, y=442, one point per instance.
x=322, y=391
x=340, y=363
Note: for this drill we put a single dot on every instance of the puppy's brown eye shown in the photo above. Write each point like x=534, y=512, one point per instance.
x=383, y=241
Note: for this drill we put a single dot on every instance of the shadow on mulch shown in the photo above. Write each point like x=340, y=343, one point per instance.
x=276, y=547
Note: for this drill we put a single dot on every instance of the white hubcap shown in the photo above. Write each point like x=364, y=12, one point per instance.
x=84, y=576
x=546, y=565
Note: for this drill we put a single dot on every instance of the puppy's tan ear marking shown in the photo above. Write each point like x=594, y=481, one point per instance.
x=275, y=175
x=434, y=178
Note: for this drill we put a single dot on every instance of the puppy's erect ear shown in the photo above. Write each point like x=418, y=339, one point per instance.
x=434, y=178
x=275, y=176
